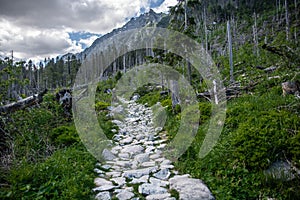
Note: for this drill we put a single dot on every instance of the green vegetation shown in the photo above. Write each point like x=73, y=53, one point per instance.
x=43, y=158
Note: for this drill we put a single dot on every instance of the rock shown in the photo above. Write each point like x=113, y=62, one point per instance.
x=143, y=179
x=158, y=196
x=141, y=158
x=125, y=164
x=167, y=166
x=113, y=174
x=135, y=97
x=163, y=174
x=151, y=137
x=190, y=189
x=140, y=137
x=127, y=140
x=150, y=149
x=166, y=162
x=98, y=171
x=101, y=182
x=148, y=164
x=103, y=196
x=104, y=188
x=165, y=196
x=158, y=182
x=120, y=181
x=124, y=155
x=116, y=149
x=149, y=189
x=158, y=129
x=125, y=195
x=282, y=171
x=137, y=173
x=106, y=167
x=117, y=122
x=134, y=149
x=107, y=155
x=290, y=87
x=155, y=156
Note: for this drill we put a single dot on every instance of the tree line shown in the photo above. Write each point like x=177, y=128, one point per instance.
x=21, y=79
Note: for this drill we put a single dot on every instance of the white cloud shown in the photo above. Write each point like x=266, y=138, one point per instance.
x=164, y=7
x=88, y=41
x=39, y=28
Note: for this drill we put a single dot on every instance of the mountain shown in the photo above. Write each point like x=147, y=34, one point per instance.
x=147, y=19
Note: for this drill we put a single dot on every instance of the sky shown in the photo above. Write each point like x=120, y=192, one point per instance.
x=38, y=29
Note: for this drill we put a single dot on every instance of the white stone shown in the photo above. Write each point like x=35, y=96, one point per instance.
x=113, y=174
x=124, y=155
x=116, y=149
x=107, y=155
x=150, y=189
x=106, y=167
x=104, y=188
x=101, y=182
x=134, y=149
x=125, y=164
x=103, y=196
x=155, y=156
x=148, y=164
x=139, y=172
x=158, y=182
x=140, y=158
x=166, y=162
x=125, y=195
x=163, y=174
x=119, y=180
x=190, y=189
x=143, y=179
x=150, y=149
x=167, y=166
x=98, y=171
x=158, y=196
x=117, y=122
x=127, y=140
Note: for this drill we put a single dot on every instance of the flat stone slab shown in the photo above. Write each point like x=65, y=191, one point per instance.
x=158, y=196
x=139, y=172
x=190, y=188
x=134, y=149
x=103, y=196
x=125, y=195
x=149, y=189
x=101, y=181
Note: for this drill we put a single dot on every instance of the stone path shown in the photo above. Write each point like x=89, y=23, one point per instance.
x=135, y=168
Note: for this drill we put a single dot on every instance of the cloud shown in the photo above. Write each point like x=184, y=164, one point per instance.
x=38, y=28
x=164, y=7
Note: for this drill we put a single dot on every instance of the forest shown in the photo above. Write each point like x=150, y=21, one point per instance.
x=255, y=47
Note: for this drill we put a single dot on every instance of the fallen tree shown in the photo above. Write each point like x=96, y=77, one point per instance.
x=23, y=103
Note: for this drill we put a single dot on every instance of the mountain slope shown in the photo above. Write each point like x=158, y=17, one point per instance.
x=148, y=19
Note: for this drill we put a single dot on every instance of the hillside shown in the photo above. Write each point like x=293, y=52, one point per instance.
x=258, y=153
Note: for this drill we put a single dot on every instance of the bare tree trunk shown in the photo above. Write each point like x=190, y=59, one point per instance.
x=205, y=29
x=185, y=15
x=230, y=51
x=255, y=40
x=287, y=27
x=175, y=93
x=296, y=13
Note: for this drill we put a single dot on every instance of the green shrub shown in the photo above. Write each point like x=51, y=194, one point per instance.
x=263, y=138
x=101, y=105
x=67, y=174
x=64, y=135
